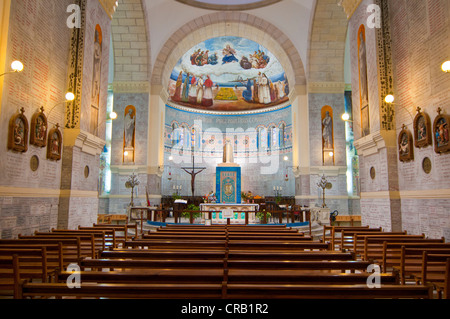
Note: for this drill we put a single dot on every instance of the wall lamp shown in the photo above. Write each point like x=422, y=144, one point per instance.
x=16, y=67
x=446, y=67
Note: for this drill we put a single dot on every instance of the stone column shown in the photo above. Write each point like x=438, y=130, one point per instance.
x=84, y=125
x=136, y=95
x=380, y=199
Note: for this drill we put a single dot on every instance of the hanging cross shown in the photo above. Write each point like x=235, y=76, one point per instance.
x=193, y=172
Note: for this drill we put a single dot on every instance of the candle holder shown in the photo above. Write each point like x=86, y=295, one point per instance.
x=324, y=184
x=132, y=182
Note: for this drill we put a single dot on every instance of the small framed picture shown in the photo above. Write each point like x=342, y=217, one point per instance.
x=440, y=130
x=422, y=130
x=18, y=133
x=39, y=127
x=54, y=145
x=405, y=145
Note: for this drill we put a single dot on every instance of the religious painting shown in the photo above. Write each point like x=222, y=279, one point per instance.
x=54, y=144
x=441, y=136
x=422, y=130
x=405, y=145
x=327, y=135
x=39, y=127
x=129, y=134
x=363, y=82
x=228, y=74
x=96, y=78
x=18, y=133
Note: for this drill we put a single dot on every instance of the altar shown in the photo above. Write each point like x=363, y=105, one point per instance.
x=220, y=213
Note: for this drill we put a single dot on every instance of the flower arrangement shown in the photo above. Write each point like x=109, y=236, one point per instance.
x=246, y=196
x=210, y=198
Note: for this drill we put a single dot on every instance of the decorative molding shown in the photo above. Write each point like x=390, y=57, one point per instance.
x=130, y=87
x=250, y=112
x=75, y=72
x=408, y=195
x=321, y=170
x=349, y=6
x=385, y=67
x=372, y=143
x=380, y=195
x=79, y=194
x=326, y=87
x=426, y=194
x=314, y=197
x=126, y=170
x=110, y=6
x=23, y=192
x=87, y=142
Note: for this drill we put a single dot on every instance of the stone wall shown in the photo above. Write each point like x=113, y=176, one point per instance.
x=261, y=171
x=421, y=43
x=29, y=199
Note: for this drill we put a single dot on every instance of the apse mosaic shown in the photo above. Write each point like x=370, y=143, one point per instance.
x=228, y=74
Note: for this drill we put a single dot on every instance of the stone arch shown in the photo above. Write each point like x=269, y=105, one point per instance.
x=327, y=42
x=130, y=42
x=226, y=7
x=229, y=24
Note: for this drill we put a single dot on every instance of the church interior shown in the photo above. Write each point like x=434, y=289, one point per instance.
x=210, y=149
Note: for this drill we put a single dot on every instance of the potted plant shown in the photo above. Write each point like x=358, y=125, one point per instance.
x=190, y=208
x=260, y=216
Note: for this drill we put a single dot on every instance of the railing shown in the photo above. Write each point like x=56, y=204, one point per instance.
x=142, y=214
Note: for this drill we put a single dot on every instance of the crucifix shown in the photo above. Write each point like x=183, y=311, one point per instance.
x=193, y=171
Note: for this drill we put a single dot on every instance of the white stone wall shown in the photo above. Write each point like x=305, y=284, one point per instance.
x=39, y=37
x=421, y=43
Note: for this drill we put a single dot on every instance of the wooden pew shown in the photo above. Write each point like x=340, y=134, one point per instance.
x=224, y=291
x=19, y=264
x=337, y=234
x=233, y=276
x=329, y=232
x=310, y=265
x=122, y=291
x=394, y=252
x=373, y=246
x=174, y=244
x=354, y=240
x=70, y=247
x=231, y=236
x=54, y=254
x=411, y=259
x=86, y=246
x=230, y=254
x=271, y=245
x=435, y=270
x=103, y=238
x=261, y=292
x=358, y=239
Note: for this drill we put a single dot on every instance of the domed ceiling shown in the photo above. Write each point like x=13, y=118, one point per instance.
x=228, y=74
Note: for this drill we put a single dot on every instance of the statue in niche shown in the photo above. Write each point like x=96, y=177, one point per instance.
x=130, y=124
x=327, y=131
